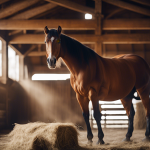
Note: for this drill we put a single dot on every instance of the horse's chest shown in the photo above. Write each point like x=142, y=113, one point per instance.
x=79, y=86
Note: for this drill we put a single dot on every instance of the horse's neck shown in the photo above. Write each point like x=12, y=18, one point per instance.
x=71, y=61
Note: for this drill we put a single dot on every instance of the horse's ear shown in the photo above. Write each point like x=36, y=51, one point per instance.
x=46, y=30
x=59, y=30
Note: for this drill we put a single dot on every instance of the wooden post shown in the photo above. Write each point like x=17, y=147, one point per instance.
x=21, y=67
x=4, y=61
x=98, y=30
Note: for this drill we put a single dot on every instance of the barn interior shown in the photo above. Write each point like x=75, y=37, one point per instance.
x=109, y=27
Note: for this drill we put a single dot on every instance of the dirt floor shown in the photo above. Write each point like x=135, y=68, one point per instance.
x=113, y=140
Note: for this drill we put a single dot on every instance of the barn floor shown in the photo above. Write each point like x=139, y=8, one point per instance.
x=113, y=140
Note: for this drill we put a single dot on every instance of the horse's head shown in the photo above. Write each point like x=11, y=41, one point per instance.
x=52, y=40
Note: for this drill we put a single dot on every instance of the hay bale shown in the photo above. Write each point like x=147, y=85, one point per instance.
x=139, y=119
x=42, y=136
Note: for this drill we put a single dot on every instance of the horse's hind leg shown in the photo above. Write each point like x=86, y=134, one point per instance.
x=128, y=106
x=144, y=94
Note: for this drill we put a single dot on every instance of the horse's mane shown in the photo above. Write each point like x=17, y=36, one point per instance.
x=77, y=49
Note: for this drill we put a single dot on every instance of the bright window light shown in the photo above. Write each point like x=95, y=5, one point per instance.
x=0, y=45
x=0, y=58
x=51, y=76
x=88, y=16
x=13, y=64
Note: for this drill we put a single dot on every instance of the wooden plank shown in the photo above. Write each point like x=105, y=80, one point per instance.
x=34, y=11
x=73, y=6
x=126, y=24
x=128, y=6
x=39, y=24
x=111, y=24
x=87, y=39
x=16, y=7
x=36, y=53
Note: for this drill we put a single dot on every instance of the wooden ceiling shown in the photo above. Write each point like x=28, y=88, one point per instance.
x=114, y=22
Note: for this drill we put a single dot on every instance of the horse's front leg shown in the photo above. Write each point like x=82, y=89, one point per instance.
x=97, y=116
x=84, y=102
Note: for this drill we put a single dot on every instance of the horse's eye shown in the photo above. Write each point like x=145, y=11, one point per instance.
x=45, y=42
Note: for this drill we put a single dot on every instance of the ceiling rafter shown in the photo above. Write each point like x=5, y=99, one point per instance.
x=143, y=2
x=73, y=6
x=39, y=24
x=114, y=12
x=129, y=6
x=34, y=11
x=108, y=24
x=3, y=1
x=16, y=7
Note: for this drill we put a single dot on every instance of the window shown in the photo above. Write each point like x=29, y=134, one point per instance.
x=50, y=76
x=0, y=57
x=13, y=64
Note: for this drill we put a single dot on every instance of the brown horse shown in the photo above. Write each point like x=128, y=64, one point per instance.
x=96, y=78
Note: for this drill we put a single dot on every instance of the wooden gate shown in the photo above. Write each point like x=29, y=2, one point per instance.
x=113, y=115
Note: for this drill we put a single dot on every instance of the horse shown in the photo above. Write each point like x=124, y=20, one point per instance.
x=96, y=78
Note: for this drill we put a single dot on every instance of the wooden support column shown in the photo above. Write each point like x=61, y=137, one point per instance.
x=21, y=67
x=98, y=30
x=4, y=61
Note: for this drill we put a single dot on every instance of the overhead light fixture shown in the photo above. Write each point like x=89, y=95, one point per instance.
x=51, y=77
x=88, y=16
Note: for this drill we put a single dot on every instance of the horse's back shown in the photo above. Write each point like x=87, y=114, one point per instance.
x=140, y=68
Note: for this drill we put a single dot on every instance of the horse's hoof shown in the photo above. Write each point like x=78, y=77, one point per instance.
x=146, y=139
x=89, y=143
x=100, y=142
x=127, y=139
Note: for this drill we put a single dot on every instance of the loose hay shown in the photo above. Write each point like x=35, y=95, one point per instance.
x=42, y=136
x=140, y=116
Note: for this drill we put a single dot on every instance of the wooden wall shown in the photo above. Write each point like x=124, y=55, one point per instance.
x=47, y=101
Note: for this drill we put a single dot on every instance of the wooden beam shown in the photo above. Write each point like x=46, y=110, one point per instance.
x=16, y=50
x=110, y=24
x=14, y=32
x=129, y=6
x=3, y=1
x=16, y=7
x=73, y=6
x=36, y=53
x=87, y=39
x=143, y=2
x=52, y=23
x=29, y=50
x=34, y=11
x=114, y=12
x=98, y=29
x=126, y=24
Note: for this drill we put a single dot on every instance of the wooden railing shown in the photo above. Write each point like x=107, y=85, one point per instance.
x=113, y=115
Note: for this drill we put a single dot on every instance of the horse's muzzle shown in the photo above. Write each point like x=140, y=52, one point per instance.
x=51, y=62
